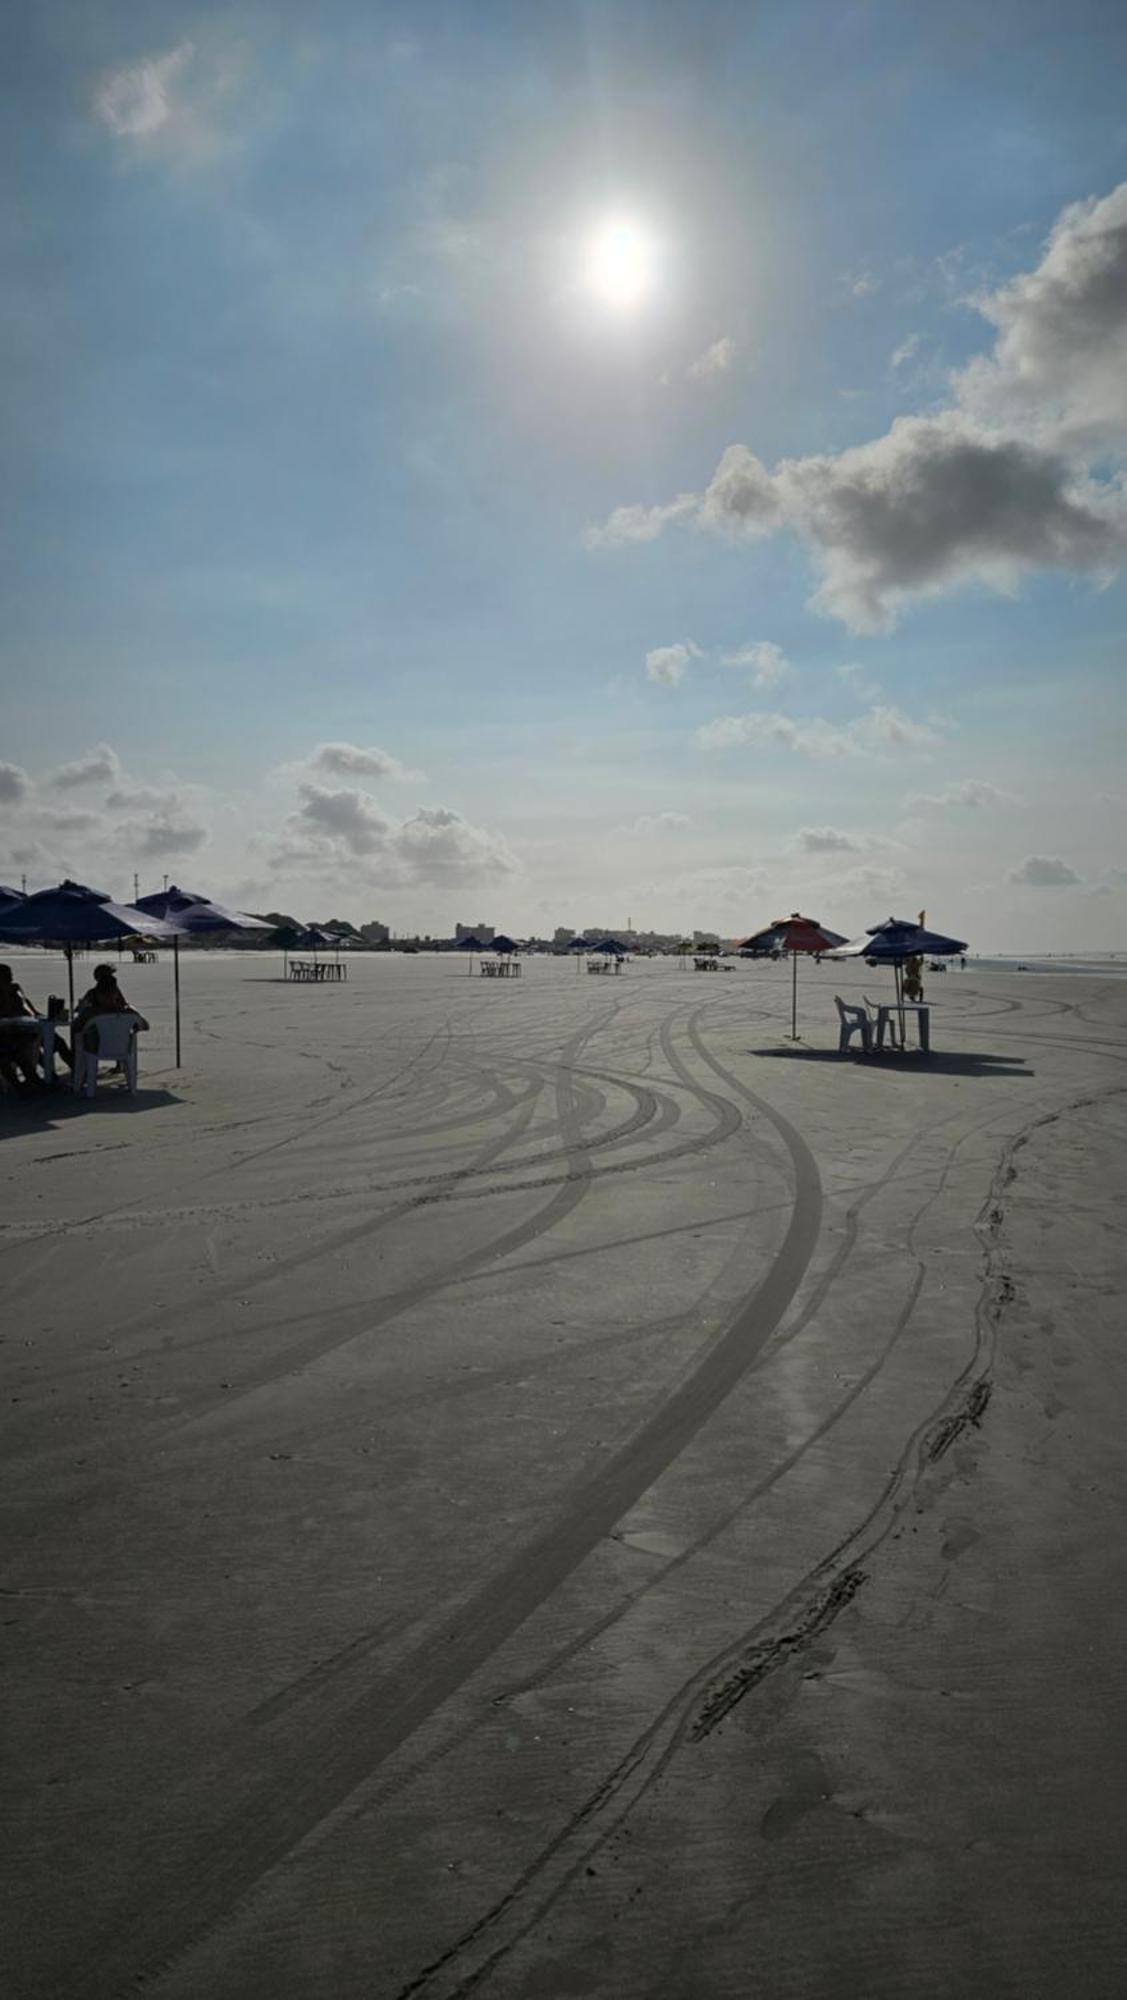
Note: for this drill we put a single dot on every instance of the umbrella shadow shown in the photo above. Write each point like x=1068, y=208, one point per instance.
x=968, y=1062
x=39, y=1110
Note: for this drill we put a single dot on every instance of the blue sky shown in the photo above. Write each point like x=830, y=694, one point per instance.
x=371, y=550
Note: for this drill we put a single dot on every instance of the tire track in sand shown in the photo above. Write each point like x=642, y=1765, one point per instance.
x=206, y=1845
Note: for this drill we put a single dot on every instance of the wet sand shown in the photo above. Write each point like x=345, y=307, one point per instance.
x=548, y=1488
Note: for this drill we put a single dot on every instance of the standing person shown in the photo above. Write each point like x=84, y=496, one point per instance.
x=914, y=977
x=18, y=1046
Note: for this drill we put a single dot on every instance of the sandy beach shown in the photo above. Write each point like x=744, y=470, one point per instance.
x=546, y=1487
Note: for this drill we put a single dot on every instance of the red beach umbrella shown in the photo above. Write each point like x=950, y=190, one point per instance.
x=795, y=934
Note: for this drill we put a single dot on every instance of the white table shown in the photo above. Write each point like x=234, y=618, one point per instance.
x=888, y=1016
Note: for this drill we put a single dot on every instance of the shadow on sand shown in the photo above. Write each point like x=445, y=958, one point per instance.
x=43, y=1110
x=938, y=1063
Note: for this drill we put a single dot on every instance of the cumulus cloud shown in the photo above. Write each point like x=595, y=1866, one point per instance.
x=440, y=846
x=164, y=834
x=1060, y=360
x=433, y=845
x=716, y=360
x=666, y=664
x=859, y=681
x=15, y=785
x=98, y=766
x=874, y=734
x=973, y=792
x=345, y=815
x=766, y=662
x=825, y=840
x=1043, y=871
x=1022, y=471
x=348, y=760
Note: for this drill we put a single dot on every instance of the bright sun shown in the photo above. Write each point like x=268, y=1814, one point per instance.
x=620, y=263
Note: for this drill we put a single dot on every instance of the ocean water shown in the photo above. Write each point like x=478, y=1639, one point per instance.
x=1096, y=965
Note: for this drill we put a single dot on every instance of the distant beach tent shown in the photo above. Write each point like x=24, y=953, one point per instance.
x=502, y=944
x=192, y=914
x=895, y=941
x=797, y=934
x=73, y=914
x=610, y=945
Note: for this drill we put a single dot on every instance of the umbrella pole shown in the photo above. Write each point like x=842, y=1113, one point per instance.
x=70, y=979
x=794, y=996
x=176, y=990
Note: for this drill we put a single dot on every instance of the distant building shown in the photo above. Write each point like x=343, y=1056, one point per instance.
x=483, y=932
x=375, y=933
x=561, y=934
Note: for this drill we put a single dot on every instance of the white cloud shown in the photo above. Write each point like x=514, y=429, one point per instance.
x=171, y=101
x=164, y=834
x=863, y=285
x=434, y=845
x=639, y=524
x=907, y=351
x=716, y=360
x=1060, y=360
x=137, y=100
x=1043, y=871
x=825, y=840
x=881, y=730
x=972, y=792
x=859, y=681
x=97, y=766
x=15, y=785
x=766, y=662
x=349, y=760
x=649, y=825
x=666, y=664
x=1012, y=477
x=345, y=815
x=439, y=846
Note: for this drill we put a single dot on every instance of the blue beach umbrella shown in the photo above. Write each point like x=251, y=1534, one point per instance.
x=502, y=943
x=895, y=941
x=72, y=914
x=192, y=915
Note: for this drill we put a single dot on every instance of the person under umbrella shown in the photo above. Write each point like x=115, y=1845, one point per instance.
x=71, y=915
x=897, y=942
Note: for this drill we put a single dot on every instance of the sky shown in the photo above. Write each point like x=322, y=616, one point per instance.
x=598, y=464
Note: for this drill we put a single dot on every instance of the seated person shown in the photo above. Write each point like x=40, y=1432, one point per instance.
x=104, y=997
x=18, y=1047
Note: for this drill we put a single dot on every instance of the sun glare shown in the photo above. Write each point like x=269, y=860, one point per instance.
x=620, y=263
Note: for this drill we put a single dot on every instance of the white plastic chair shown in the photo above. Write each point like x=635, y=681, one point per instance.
x=116, y=1043
x=854, y=1021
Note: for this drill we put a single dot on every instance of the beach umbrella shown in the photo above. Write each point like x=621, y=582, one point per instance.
x=193, y=915
x=797, y=934
x=610, y=945
x=10, y=896
x=470, y=944
x=73, y=914
x=502, y=944
x=895, y=941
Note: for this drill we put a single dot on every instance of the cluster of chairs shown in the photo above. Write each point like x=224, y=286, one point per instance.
x=500, y=968
x=317, y=970
x=864, y=1022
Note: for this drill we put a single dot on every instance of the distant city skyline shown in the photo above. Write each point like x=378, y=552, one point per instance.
x=501, y=454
